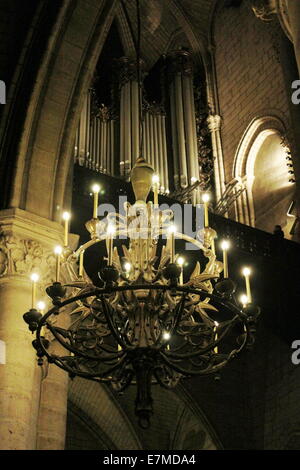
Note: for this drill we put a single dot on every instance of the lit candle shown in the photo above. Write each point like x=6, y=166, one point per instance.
x=244, y=300
x=34, y=279
x=81, y=255
x=110, y=232
x=41, y=306
x=180, y=262
x=216, y=350
x=155, y=184
x=225, y=246
x=58, y=252
x=127, y=268
x=246, y=272
x=66, y=217
x=195, y=191
x=205, y=199
x=172, y=230
x=95, y=189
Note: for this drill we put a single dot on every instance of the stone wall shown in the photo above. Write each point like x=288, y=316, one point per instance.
x=250, y=78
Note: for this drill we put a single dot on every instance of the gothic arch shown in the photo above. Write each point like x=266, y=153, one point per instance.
x=269, y=128
x=54, y=109
x=101, y=409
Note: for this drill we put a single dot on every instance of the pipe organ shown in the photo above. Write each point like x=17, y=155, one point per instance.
x=110, y=142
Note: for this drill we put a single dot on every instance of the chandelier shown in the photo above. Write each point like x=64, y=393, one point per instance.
x=150, y=323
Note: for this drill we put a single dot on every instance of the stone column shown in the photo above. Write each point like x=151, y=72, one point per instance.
x=184, y=137
x=26, y=246
x=293, y=20
x=214, y=125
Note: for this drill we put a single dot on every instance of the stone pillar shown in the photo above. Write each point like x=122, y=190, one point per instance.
x=293, y=16
x=51, y=428
x=214, y=125
x=26, y=246
x=184, y=136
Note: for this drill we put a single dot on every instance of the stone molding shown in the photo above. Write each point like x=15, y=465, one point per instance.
x=265, y=9
x=27, y=242
x=214, y=122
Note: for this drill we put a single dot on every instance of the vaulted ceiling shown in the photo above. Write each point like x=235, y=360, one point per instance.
x=166, y=25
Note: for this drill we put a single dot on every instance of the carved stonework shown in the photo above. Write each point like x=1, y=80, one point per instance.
x=179, y=61
x=264, y=9
x=154, y=108
x=125, y=70
x=204, y=144
x=22, y=257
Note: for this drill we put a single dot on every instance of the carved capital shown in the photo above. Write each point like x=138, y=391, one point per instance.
x=20, y=256
x=125, y=70
x=214, y=122
x=179, y=62
x=27, y=245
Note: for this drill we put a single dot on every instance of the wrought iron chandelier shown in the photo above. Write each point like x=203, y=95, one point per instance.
x=147, y=324
x=151, y=322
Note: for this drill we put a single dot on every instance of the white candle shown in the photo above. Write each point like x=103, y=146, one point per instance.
x=225, y=247
x=180, y=262
x=66, y=218
x=95, y=189
x=110, y=233
x=58, y=252
x=81, y=256
x=172, y=230
x=205, y=199
x=246, y=273
x=216, y=350
x=34, y=279
x=155, y=184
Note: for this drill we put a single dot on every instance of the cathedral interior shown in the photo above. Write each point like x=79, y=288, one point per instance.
x=211, y=92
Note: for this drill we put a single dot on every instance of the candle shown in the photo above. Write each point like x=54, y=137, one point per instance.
x=81, y=255
x=195, y=191
x=172, y=230
x=155, y=184
x=34, y=279
x=216, y=350
x=66, y=218
x=95, y=189
x=110, y=232
x=180, y=262
x=205, y=199
x=225, y=246
x=246, y=273
x=41, y=306
x=244, y=300
x=58, y=252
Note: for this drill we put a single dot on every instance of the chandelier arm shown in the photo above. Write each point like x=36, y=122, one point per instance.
x=128, y=381
x=58, y=361
x=106, y=310
x=207, y=348
x=186, y=372
x=160, y=381
x=178, y=315
x=74, y=350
